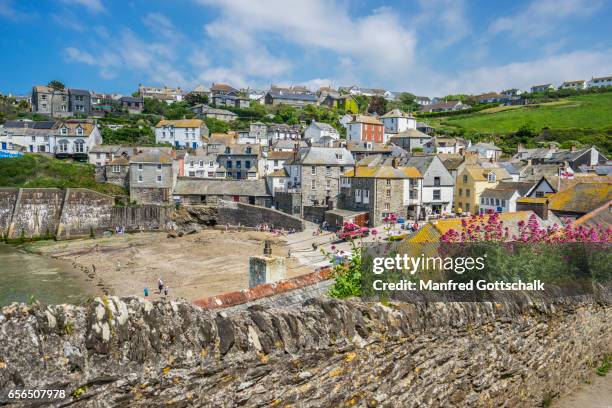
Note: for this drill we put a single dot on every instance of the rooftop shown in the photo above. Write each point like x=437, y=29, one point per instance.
x=189, y=186
x=180, y=123
x=384, y=172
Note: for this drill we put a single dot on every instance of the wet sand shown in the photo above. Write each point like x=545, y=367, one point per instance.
x=193, y=266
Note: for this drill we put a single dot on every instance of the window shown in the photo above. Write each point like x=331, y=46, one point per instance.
x=366, y=195
x=497, y=202
x=436, y=194
x=79, y=146
x=159, y=178
x=357, y=196
x=33, y=138
x=210, y=163
x=159, y=166
x=387, y=206
x=97, y=155
x=44, y=106
x=140, y=178
x=341, y=169
x=116, y=169
x=491, y=177
x=63, y=131
x=437, y=181
x=227, y=150
x=43, y=97
x=328, y=184
x=467, y=207
x=228, y=164
x=388, y=182
x=313, y=170
x=388, y=193
x=79, y=131
x=64, y=108
x=465, y=179
x=247, y=164
x=313, y=184
x=467, y=192
x=238, y=164
x=192, y=174
x=211, y=174
x=248, y=150
x=503, y=203
x=275, y=163
x=539, y=194
x=63, y=147
x=482, y=200
x=139, y=166
x=460, y=192
x=80, y=108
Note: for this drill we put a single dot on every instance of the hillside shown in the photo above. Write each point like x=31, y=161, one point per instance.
x=34, y=170
x=581, y=119
x=582, y=111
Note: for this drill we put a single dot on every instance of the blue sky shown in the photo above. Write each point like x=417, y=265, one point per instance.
x=429, y=47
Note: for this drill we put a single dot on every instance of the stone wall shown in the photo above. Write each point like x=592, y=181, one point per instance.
x=314, y=214
x=233, y=213
x=519, y=352
x=289, y=203
x=84, y=211
x=8, y=198
x=36, y=213
x=146, y=217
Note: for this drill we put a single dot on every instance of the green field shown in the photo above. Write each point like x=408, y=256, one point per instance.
x=592, y=111
x=33, y=170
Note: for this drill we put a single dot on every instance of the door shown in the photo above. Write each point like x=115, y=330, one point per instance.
x=3, y=146
x=195, y=145
x=236, y=198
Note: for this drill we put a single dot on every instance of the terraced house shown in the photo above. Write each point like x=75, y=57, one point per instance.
x=152, y=176
x=74, y=138
x=185, y=133
x=242, y=161
x=382, y=190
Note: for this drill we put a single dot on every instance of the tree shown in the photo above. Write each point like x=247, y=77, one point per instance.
x=129, y=136
x=407, y=102
x=378, y=105
x=216, y=125
x=195, y=98
x=58, y=85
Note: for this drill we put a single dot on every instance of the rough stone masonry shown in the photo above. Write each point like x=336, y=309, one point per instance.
x=326, y=353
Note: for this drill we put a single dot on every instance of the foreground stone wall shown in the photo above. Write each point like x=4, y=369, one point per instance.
x=326, y=353
x=36, y=213
x=233, y=213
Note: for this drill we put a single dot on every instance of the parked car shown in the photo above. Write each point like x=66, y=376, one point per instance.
x=353, y=231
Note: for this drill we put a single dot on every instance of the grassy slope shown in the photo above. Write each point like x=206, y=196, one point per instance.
x=583, y=111
x=33, y=170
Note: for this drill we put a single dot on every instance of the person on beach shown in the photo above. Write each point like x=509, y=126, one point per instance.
x=146, y=292
x=93, y=268
x=166, y=291
x=160, y=284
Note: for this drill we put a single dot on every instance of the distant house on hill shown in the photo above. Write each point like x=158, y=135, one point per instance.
x=297, y=100
x=576, y=85
x=447, y=106
x=600, y=81
x=542, y=88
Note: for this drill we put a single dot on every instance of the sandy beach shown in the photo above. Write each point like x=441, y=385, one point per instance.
x=193, y=266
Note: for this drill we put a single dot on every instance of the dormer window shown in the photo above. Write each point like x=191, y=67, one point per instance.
x=491, y=177
x=79, y=131
x=227, y=150
x=339, y=156
x=63, y=131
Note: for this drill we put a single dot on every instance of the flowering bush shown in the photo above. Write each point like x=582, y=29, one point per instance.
x=489, y=227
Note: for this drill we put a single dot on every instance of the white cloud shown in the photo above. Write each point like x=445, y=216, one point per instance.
x=75, y=55
x=95, y=6
x=551, y=69
x=378, y=42
x=543, y=17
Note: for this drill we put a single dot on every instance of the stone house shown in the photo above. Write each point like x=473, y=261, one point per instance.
x=152, y=176
x=206, y=112
x=117, y=171
x=396, y=121
x=242, y=161
x=186, y=133
x=275, y=161
x=231, y=100
x=410, y=140
x=134, y=105
x=297, y=100
x=382, y=190
x=50, y=101
x=210, y=191
x=438, y=185
x=486, y=150
x=315, y=172
x=79, y=102
x=348, y=103
x=283, y=132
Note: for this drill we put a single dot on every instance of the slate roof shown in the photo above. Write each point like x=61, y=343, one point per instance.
x=422, y=163
x=241, y=149
x=359, y=147
x=330, y=156
x=451, y=161
x=601, y=216
x=397, y=113
x=410, y=133
x=522, y=187
x=274, y=155
x=324, y=126
x=483, y=146
x=154, y=155
x=222, y=87
x=293, y=96
x=510, y=167
x=189, y=186
x=74, y=91
x=503, y=194
x=22, y=124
